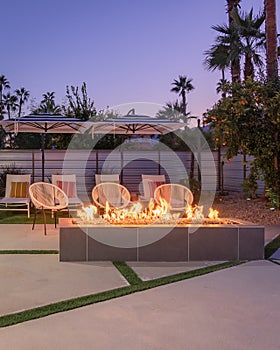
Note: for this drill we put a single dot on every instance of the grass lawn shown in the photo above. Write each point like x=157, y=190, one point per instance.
x=271, y=247
x=17, y=217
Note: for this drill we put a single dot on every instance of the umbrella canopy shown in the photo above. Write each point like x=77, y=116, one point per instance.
x=45, y=123
x=133, y=124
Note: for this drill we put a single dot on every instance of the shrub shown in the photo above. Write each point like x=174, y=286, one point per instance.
x=249, y=187
x=273, y=197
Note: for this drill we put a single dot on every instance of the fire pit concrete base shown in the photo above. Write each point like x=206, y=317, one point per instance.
x=180, y=243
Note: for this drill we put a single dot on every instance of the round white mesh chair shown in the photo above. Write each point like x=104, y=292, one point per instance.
x=177, y=196
x=115, y=194
x=46, y=196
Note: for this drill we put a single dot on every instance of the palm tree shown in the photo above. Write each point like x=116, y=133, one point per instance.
x=225, y=52
x=173, y=111
x=232, y=5
x=182, y=86
x=10, y=101
x=217, y=57
x=271, y=39
x=221, y=87
x=271, y=57
x=4, y=84
x=242, y=38
x=48, y=105
x=22, y=95
x=252, y=39
x=235, y=63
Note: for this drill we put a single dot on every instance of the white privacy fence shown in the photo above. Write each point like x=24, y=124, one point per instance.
x=129, y=164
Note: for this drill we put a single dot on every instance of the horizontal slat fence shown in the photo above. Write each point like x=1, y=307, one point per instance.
x=129, y=164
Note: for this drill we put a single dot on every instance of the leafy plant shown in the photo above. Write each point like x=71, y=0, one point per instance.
x=247, y=120
x=273, y=197
x=250, y=186
x=194, y=185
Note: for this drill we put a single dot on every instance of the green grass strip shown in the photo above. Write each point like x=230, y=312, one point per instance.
x=277, y=262
x=271, y=247
x=29, y=251
x=128, y=273
x=70, y=304
x=14, y=217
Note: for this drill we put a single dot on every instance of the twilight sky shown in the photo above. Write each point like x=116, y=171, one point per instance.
x=125, y=50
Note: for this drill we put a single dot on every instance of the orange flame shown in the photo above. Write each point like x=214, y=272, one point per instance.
x=137, y=215
x=213, y=214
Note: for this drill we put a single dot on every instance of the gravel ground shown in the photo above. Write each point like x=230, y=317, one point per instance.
x=257, y=211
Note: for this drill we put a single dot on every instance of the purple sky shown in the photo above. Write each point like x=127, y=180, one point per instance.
x=125, y=50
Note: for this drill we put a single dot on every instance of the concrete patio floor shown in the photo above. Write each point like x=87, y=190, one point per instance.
x=28, y=281
x=236, y=308
x=21, y=236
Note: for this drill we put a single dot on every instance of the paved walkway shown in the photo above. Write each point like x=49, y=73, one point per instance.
x=22, y=237
x=236, y=308
x=28, y=281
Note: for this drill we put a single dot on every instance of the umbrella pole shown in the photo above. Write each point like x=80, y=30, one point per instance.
x=43, y=156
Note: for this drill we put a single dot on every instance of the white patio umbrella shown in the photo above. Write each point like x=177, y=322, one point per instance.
x=132, y=124
x=45, y=123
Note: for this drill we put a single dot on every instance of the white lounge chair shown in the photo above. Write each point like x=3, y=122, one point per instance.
x=68, y=184
x=177, y=196
x=16, y=193
x=150, y=183
x=99, y=178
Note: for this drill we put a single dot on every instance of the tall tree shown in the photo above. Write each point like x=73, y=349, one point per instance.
x=225, y=52
x=242, y=39
x=23, y=96
x=271, y=39
x=217, y=58
x=48, y=105
x=235, y=62
x=10, y=101
x=252, y=39
x=222, y=87
x=79, y=106
x=271, y=60
x=4, y=84
x=182, y=86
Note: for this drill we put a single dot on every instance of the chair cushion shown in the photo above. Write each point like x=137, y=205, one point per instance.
x=68, y=187
x=153, y=185
x=19, y=189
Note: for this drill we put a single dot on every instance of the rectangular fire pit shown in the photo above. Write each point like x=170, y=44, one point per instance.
x=240, y=241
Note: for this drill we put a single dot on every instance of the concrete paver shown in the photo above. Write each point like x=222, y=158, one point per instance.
x=236, y=308
x=19, y=236
x=28, y=281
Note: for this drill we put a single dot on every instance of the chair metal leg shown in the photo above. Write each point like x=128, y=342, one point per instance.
x=55, y=218
x=34, y=221
x=45, y=224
